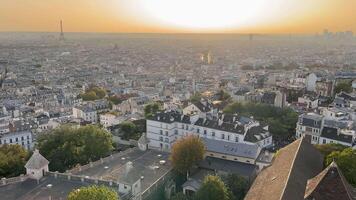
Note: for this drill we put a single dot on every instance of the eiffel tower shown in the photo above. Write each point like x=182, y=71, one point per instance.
x=61, y=36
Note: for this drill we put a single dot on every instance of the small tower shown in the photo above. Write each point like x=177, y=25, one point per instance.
x=61, y=36
x=36, y=166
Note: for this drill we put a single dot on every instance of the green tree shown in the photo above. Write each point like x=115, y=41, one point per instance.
x=345, y=86
x=89, y=96
x=346, y=160
x=238, y=186
x=186, y=153
x=327, y=149
x=213, y=188
x=12, y=160
x=195, y=98
x=151, y=109
x=115, y=100
x=66, y=146
x=129, y=130
x=179, y=196
x=93, y=93
x=93, y=193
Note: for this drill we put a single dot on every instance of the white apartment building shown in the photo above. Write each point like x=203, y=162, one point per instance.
x=239, y=134
x=331, y=127
x=23, y=138
x=85, y=113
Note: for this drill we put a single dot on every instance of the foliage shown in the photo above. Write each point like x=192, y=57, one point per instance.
x=195, y=98
x=281, y=121
x=115, y=100
x=93, y=93
x=12, y=160
x=327, y=149
x=66, y=146
x=346, y=160
x=223, y=96
x=151, y=109
x=179, y=196
x=93, y=193
x=344, y=86
x=186, y=152
x=212, y=189
x=129, y=130
x=238, y=186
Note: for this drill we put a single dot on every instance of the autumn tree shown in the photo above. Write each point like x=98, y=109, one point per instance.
x=12, y=160
x=213, y=188
x=93, y=193
x=186, y=153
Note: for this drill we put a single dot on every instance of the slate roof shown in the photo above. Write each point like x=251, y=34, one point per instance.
x=332, y=133
x=231, y=148
x=330, y=184
x=287, y=177
x=311, y=120
x=37, y=161
x=256, y=133
x=202, y=107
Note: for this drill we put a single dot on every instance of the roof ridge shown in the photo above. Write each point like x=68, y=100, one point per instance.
x=291, y=168
x=343, y=179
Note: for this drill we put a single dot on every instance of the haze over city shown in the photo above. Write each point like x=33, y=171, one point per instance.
x=161, y=16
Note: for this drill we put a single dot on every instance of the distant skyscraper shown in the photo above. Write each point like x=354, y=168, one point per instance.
x=61, y=36
x=206, y=58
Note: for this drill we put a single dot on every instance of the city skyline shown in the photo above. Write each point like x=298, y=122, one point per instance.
x=157, y=16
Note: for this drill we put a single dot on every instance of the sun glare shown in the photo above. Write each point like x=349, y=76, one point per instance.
x=204, y=14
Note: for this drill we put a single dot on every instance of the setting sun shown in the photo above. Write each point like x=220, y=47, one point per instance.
x=203, y=14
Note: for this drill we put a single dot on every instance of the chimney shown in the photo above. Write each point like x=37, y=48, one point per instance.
x=220, y=122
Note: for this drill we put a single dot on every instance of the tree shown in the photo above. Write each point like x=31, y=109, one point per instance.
x=179, y=196
x=151, y=109
x=93, y=193
x=93, y=93
x=212, y=189
x=12, y=160
x=187, y=152
x=346, y=160
x=345, y=86
x=129, y=130
x=66, y=146
x=115, y=100
x=195, y=98
x=327, y=149
x=238, y=186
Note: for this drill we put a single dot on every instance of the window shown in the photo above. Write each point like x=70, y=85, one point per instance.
x=186, y=127
x=166, y=140
x=324, y=141
x=160, y=138
x=222, y=136
x=160, y=132
x=176, y=132
x=166, y=133
x=22, y=138
x=204, y=132
x=17, y=139
x=228, y=137
x=198, y=130
x=236, y=139
x=10, y=140
x=182, y=126
x=213, y=134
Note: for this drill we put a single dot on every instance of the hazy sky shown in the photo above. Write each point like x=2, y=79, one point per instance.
x=241, y=16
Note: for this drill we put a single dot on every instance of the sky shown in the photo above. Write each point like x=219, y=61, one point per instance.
x=182, y=16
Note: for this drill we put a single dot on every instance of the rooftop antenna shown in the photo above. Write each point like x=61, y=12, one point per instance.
x=61, y=36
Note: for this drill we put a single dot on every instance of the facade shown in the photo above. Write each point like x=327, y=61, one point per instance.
x=310, y=82
x=23, y=138
x=328, y=128
x=85, y=113
x=227, y=131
